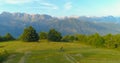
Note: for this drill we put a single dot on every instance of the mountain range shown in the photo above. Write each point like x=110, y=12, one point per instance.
x=15, y=23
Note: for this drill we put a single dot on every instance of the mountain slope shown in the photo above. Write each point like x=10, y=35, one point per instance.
x=16, y=22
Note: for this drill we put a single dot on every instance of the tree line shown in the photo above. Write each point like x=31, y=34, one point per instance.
x=30, y=35
x=107, y=41
x=7, y=37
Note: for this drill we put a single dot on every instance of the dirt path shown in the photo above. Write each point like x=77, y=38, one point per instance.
x=22, y=60
x=10, y=58
x=70, y=58
x=71, y=61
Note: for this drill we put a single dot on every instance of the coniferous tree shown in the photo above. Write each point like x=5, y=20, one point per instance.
x=54, y=35
x=29, y=35
x=8, y=36
x=1, y=38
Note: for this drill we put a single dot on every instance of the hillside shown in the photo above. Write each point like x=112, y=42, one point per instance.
x=49, y=52
x=16, y=22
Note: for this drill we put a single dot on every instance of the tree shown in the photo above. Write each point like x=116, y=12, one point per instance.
x=65, y=38
x=1, y=38
x=29, y=35
x=81, y=37
x=8, y=36
x=54, y=35
x=96, y=40
x=112, y=41
x=68, y=38
x=109, y=41
x=43, y=35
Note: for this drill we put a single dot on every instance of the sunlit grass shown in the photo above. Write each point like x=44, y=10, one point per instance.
x=49, y=52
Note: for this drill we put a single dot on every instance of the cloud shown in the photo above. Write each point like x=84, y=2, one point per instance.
x=35, y=4
x=16, y=1
x=68, y=6
x=45, y=6
x=49, y=5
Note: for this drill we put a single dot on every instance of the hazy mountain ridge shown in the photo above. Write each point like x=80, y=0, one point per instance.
x=16, y=22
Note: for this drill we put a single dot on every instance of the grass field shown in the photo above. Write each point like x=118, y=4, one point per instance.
x=49, y=52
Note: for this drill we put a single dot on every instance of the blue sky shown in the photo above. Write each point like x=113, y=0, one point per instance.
x=63, y=7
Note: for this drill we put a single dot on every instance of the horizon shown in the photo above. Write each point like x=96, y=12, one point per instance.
x=63, y=8
x=71, y=16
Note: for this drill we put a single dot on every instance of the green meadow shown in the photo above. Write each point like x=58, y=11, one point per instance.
x=50, y=52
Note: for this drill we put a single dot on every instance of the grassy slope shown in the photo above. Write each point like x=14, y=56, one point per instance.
x=48, y=52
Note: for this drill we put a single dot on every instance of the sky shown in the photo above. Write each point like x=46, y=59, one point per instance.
x=63, y=7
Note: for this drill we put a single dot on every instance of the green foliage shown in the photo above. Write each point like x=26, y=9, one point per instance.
x=54, y=35
x=3, y=55
x=96, y=40
x=29, y=35
x=68, y=38
x=108, y=41
x=43, y=35
x=1, y=38
x=112, y=41
x=81, y=37
x=8, y=37
x=65, y=38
